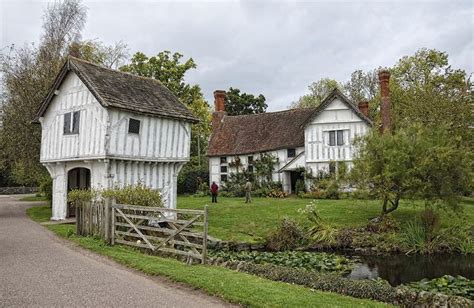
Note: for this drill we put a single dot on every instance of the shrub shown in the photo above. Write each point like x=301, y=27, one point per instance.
x=300, y=187
x=319, y=231
x=385, y=224
x=287, y=236
x=191, y=177
x=370, y=289
x=46, y=187
x=132, y=194
x=430, y=222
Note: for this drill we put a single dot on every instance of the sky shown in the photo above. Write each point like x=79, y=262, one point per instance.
x=274, y=48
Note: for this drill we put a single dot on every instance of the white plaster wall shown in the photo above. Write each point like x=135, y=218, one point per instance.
x=282, y=154
x=337, y=116
x=160, y=139
x=89, y=143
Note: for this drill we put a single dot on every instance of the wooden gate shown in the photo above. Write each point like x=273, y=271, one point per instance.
x=181, y=232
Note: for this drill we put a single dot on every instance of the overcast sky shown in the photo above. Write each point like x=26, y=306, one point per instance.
x=269, y=47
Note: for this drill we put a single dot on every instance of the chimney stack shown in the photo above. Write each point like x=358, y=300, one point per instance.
x=364, y=107
x=385, y=105
x=219, y=106
x=219, y=100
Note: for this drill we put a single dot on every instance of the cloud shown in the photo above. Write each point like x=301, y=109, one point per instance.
x=274, y=48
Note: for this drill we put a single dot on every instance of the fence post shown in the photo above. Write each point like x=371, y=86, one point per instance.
x=204, y=241
x=107, y=220
x=112, y=229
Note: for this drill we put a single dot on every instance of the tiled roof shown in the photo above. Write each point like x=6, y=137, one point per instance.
x=255, y=133
x=122, y=90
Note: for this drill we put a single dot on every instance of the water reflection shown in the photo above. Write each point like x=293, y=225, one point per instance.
x=398, y=269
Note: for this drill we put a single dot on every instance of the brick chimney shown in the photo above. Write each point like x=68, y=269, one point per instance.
x=219, y=106
x=364, y=107
x=385, y=106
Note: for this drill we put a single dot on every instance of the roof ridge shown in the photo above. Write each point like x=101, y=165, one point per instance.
x=273, y=112
x=114, y=70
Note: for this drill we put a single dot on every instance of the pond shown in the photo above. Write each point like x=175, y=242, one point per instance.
x=398, y=269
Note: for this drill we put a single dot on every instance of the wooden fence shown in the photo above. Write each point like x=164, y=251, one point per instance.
x=174, y=231
x=181, y=232
x=93, y=218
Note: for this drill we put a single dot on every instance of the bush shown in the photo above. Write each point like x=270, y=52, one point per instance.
x=287, y=236
x=370, y=289
x=132, y=194
x=46, y=187
x=190, y=179
x=319, y=231
x=300, y=187
x=430, y=222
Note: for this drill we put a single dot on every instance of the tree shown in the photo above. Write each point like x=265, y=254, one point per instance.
x=413, y=162
x=27, y=75
x=264, y=166
x=111, y=56
x=426, y=89
x=239, y=103
x=319, y=90
x=170, y=70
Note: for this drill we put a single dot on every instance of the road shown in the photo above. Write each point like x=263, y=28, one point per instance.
x=39, y=269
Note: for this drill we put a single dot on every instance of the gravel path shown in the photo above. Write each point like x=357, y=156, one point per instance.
x=39, y=269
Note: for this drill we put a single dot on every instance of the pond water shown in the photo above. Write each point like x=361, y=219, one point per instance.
x=398, y=269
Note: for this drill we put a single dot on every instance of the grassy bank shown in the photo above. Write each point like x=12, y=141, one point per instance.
x=230, y=285
x=232, y=219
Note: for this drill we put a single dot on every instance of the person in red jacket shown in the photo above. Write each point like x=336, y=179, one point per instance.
x=214, y=190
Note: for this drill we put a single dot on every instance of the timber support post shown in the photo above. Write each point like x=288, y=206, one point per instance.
x=204, y=240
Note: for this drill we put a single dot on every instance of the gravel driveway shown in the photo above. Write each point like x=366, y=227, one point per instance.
x=39, y=269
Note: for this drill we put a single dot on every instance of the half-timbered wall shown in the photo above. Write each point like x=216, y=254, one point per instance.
x=89, y=142
x=337, y=116
x=160, y=139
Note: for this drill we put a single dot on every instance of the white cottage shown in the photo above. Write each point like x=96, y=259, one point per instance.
x=103, y=128
x=316, y=139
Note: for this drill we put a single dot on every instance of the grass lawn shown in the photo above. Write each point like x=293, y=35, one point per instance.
x=34, y=198
x=232, y=219
x=233, y=286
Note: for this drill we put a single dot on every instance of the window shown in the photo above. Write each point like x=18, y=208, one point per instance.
x=223, y=159
x=223, y=169
x=291, y=153
x=71, y=123
x=336, y=137
x=133, y=126
x=250, y=160
x=250, y=168
x=340, y=137
x=223, y=177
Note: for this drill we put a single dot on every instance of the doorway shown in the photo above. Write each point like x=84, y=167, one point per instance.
x=294, y=177
x=77, y=178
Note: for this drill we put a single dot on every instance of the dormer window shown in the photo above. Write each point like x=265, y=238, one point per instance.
x=133, y=126
x=71, y=123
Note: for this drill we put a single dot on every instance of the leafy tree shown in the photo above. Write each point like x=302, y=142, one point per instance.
x=27, y=75
x=426, y=89
x=319, y=90
x=413, y=162
x=111, y=56
x=238, y=103
x=170, y=70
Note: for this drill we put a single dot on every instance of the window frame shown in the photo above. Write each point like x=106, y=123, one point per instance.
x=71, y=122
x=224, y=178
x=293, y=151
x=224, y=169
x=223, y=160
x=336, y=137
x=133, y=120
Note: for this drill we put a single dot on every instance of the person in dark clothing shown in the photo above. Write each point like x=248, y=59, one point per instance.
x=214, y=190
